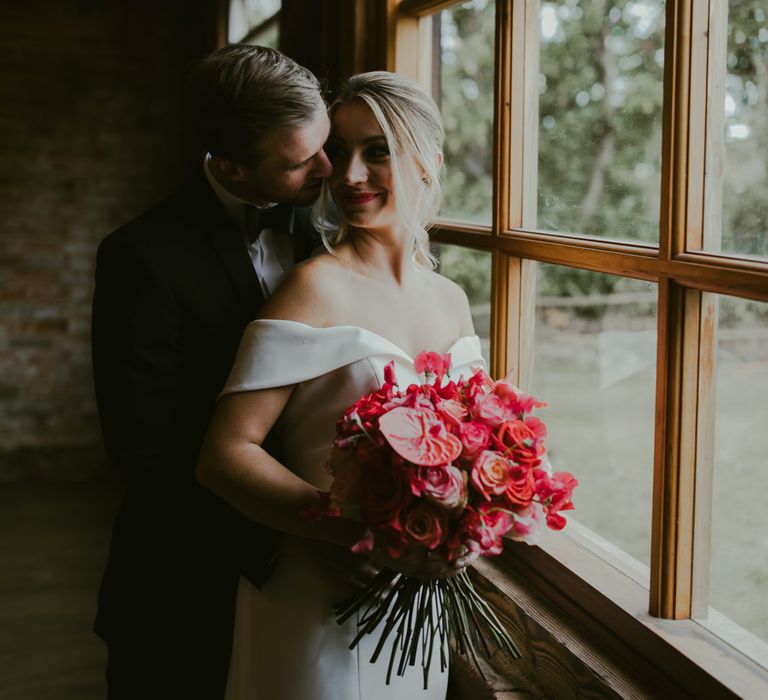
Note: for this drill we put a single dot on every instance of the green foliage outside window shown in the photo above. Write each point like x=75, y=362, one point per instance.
x=600, y=109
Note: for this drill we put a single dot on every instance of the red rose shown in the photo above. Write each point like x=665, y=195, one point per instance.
x=523, y=441
x=520, y=490
x=424, y=525
x=382, y=493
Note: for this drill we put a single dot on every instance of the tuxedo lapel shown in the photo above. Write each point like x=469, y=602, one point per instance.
x=226, y=241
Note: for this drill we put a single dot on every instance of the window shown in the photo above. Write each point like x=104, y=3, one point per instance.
x=606, y=165
x=254, y=22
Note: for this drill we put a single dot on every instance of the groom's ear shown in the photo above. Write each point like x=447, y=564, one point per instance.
x=228, y=169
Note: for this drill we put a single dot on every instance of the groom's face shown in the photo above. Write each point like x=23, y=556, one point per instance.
x=291, y=166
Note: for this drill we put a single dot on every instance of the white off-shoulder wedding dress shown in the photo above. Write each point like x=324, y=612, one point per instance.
x=287, y=644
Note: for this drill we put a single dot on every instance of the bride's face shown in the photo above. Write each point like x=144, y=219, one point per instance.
x=361, y=184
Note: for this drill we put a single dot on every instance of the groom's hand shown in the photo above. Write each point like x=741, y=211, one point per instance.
x=341, y=563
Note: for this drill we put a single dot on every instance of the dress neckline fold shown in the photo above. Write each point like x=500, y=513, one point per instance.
x=371, y=333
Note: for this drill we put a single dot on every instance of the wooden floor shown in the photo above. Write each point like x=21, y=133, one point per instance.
x=53, y=546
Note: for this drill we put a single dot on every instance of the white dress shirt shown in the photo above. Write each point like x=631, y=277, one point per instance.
x=271, y=253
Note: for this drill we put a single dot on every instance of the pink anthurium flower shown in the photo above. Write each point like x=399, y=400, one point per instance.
x=419, y=435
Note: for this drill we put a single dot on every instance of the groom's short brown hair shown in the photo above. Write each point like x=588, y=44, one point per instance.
x=240, y=94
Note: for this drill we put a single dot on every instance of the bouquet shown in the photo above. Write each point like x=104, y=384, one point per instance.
x=447, y=468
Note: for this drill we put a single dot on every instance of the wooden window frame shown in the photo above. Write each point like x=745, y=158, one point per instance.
x=648, y=629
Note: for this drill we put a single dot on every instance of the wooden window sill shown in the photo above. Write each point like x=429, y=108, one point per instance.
x=581, y=620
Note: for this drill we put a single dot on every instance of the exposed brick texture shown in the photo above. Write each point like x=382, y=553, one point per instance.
x=91, y=134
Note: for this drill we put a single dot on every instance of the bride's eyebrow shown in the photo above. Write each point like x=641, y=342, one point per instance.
x=367, y=139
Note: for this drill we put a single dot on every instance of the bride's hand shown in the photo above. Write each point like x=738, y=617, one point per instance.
x=420, y=563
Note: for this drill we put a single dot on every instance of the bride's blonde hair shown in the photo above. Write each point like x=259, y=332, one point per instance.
x=412, y=126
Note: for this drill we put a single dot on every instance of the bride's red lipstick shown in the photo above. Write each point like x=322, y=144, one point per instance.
x=360, y=197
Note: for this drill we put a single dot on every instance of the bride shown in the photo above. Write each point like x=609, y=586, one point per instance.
x=322, y=341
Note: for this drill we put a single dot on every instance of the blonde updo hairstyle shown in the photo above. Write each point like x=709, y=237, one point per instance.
x=411, y=123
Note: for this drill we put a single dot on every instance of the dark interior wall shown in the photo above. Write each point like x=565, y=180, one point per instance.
x=91, y=133
x=335, y=38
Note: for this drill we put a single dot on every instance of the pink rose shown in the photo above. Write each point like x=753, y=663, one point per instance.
x=441, y=485
x=424, y=525
x=491, y=473
x=491, y=409
x=475, y=437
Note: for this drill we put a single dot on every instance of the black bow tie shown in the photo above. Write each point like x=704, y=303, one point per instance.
x=277, y=218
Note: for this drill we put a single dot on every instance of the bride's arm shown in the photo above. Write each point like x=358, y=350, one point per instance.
x=232, y=461
x=234, y=465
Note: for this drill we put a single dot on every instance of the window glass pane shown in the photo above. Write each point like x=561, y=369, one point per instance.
x=595, y=363
x=600, y=109
x=739, y=555
x=246, y=15
x=463, y=88
x=471, y=270
x=745, y=168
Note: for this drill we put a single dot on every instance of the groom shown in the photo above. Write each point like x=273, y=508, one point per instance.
x=174, y=290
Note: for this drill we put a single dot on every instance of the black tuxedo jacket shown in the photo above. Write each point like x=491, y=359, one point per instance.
x=174, y=290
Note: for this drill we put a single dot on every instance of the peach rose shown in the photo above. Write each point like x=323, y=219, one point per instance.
x=491, y=473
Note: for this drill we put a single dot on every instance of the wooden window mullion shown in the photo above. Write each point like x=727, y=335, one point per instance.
x=681, y=319
x=503, y=352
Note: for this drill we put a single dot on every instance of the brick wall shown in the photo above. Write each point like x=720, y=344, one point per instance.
x=90, y=135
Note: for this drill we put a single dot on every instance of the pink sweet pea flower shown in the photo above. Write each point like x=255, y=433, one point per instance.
x=528, y=524
x=389, y=373
x=514, y=399
x=555, y=492
x=431, y=363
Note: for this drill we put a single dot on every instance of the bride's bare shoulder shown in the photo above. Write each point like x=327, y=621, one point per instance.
x=307, y=293
x=455, y=300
